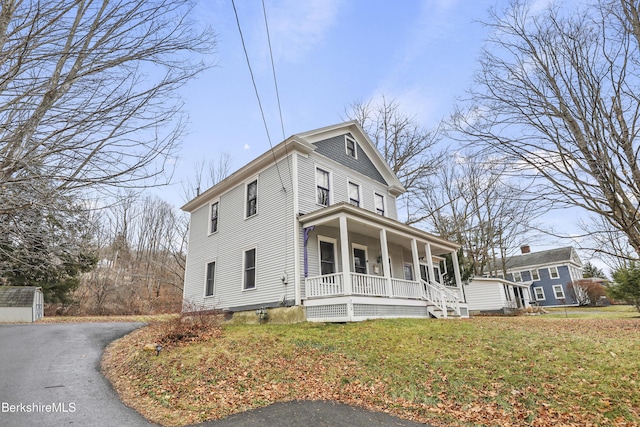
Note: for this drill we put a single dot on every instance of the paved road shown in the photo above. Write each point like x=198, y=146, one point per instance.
x=50, y=376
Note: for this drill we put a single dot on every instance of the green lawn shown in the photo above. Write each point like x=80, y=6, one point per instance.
x=536, y=370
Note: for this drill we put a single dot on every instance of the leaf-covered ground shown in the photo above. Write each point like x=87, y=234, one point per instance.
x=484, y=371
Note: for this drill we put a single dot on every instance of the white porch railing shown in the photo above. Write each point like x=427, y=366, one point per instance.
x=442, y=297
x=364, y=284
x=406, y=289
x=326, y=285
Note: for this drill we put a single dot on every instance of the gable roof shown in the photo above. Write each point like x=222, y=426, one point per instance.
x=17, y=296
x=548, y=257
x=302, y=143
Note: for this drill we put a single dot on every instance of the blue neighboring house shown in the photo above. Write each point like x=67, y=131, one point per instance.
x=548, y=273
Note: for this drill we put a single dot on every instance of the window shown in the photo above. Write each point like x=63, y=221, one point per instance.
x=408, y=272
x=249, y=268
x=534, y=275
x=507, y=293
x=354, y=194
x=553, y=272
x=517, y=276
x=558, y=292
x=539, y=293
x=379, y=204
x=211, y=277
x=360, y=259
x=252, y=198
x=350, y=146
x=322, y=183
x=327, y=257
x=214, y=218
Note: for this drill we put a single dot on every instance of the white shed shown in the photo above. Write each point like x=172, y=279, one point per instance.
x=21, y=304
x=496, y=295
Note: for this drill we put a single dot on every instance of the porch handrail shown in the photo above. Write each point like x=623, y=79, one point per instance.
x=442, y=297
x=365, y=284
x=327, y=284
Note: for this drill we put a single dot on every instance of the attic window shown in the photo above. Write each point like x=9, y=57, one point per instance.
x=350, y=146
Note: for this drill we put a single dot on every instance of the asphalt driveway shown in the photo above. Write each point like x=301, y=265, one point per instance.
x=50, y=375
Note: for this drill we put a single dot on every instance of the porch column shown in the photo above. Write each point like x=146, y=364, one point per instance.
x=456, y=268
x=386, y=266
x=416, y=260
x=427, y=250
x=344, y=255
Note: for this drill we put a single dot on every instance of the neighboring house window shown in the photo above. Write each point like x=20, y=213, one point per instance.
x=252, y=198
x=517, y=276
x=539, y=293
x=354, y=194
x=249, y=268
x=408, y=272
x=211, y=278
x=534, y=275
x=558, y=291
x=322, y=183
x=214, y=218
x=350, y=145
x=379, y=204
x=553, y=272
x=327, y=257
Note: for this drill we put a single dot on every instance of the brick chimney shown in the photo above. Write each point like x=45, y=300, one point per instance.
x=525, y=249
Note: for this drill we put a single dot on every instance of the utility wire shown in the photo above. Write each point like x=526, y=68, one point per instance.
x=255, y=88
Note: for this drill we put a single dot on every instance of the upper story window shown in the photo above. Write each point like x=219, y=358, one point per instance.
x=252, y=199
x=379, y=200
x=534, y=275
x=322, y=185
x=354, y=194
x=553, y=272
x=214, y=218
x=517, y=276
x=351, y=147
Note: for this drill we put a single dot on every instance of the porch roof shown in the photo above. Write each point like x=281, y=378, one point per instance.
x=372, y=219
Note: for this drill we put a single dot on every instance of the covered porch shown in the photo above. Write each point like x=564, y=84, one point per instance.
x=359, y=265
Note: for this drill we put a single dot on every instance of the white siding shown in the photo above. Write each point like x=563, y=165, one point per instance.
x=485, y=295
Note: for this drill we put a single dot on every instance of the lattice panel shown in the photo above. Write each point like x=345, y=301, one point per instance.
x=371, y=310
x=327, y=311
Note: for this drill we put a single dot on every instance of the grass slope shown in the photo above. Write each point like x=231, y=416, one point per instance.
x=485, y=371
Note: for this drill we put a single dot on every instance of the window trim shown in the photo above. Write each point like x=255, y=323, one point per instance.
x=255, y=268
x=317, y=186
x=359, y=189
x=364, y=248
x=535, y=293
x=404, y=271
x=211, y=205
x=246, y=198
x=377, y=194
x=347, y=138
x=513, y=276
x=555, y=292
x=334, y=242
x=557, y=272
x=206, y=279
x=535, y=279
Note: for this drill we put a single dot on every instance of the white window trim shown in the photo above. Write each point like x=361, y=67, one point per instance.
x=255, y=269
x=215, y=276
x=354, y=182
x=557, y=272
x=384, y=202
x=413, y=273
x=555, y=292
x=537, y=274
x=535, y=293
x=210, y=208
x=335, y=253
x=366, y=257
x=519, y=276
x=315, y=188
x=355, y=146
x=246, y=193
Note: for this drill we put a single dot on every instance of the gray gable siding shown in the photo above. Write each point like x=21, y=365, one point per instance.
x=334, y=148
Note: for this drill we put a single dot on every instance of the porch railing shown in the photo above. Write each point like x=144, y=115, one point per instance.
x=441, y=297
x=364, y=284
x=328, y=284
x=406, y=288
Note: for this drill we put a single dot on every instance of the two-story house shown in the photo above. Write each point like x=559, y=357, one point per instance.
x=548, y=274
x=313, y=223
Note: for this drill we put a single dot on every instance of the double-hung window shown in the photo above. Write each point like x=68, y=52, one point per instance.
x=214, y=218
x=517, y=276
x=553, y=272
x=558, y=292
x=539, y=293
x=327, y=257
x=211, y=277
x=379, y=201
x=252, y=198
x=249, y=268
x=350, y=146
x=322, y=185
x=354, y=194
x=534, y=275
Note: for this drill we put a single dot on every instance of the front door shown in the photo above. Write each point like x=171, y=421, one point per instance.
x=360, y=259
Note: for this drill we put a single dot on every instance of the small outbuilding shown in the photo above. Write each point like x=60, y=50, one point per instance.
x=21, y=304
x=493, y=295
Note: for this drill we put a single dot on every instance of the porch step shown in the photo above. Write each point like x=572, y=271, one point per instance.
x=436, y=313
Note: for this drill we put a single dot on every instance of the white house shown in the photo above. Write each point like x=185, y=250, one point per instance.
x=20, y=304
x=486, y=295
x=313, y=223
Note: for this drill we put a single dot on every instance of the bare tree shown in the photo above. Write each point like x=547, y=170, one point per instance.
x=557, y=97
x=216, y=172
x=410, y=149
x=88, y=93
